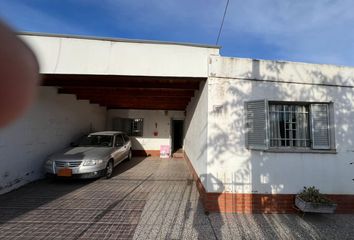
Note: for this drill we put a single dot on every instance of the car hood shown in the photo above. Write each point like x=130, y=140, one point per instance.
x=83, y=153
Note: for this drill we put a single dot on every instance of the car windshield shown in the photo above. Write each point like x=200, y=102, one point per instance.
x=97, y=141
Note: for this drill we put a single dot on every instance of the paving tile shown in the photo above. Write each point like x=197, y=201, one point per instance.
x=146, y=199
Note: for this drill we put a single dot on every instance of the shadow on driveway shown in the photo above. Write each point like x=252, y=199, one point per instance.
x=147, y=198
x=75, y=209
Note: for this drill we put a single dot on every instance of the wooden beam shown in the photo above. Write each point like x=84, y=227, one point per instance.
x=128, y=92
x=146, y=107
x=73, y=80
x=137, y=99
x=142, y=104
x=161, y=106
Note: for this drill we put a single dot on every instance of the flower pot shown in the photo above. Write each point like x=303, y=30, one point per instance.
x=315, y=207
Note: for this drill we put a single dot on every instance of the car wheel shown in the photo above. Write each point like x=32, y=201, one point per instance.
x=109, y=169
x=130, y=155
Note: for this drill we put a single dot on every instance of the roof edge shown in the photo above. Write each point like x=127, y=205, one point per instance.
x=112, y=39
x=290, y=62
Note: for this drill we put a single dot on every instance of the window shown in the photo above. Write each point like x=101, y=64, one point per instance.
x=137, y=127
x=289, y=125
x=96, y=141
x=132, y=127
x=119, y=141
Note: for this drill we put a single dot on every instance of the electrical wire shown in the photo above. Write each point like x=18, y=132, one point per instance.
x=222, y=22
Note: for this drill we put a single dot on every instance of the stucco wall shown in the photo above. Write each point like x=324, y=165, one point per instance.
x=196, y=131
x=234, y=81
x=50, y=125
x=71, y=55
x=148, y=141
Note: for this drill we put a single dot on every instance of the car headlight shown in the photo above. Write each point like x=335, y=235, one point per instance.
x=92, y=162
x=49, y=162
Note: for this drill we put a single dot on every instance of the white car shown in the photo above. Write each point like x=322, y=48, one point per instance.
x=96, y=155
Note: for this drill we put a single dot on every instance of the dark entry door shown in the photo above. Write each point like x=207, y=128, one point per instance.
x=177, y=135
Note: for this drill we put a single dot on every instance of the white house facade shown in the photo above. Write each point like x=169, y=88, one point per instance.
x=254, y=132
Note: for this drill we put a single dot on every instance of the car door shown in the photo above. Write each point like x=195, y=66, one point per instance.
x=127, y=145
x=119, y=150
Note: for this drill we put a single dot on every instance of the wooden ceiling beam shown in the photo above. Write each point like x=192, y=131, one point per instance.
x=128, y=92
x=136, y=99
x=146, y=107
x=133, y=103
x=130, y=105
x=139, y=103
x=73, y=80
x=161, y=106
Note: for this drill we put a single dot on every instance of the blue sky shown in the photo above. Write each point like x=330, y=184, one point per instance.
x=319, y=31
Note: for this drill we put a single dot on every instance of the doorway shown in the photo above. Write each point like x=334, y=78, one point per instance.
x=177, y=135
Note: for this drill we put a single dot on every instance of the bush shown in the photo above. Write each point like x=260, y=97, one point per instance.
x=313, y=195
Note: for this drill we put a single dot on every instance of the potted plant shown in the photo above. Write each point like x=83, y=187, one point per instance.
x=311, y=200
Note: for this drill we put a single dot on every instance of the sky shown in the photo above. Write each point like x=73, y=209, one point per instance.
x=316, y=31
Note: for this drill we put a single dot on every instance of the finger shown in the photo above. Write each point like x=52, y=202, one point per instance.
x=19, y=76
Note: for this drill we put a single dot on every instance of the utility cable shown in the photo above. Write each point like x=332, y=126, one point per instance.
x=222, y=22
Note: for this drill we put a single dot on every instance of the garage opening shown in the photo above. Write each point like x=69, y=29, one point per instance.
x=150, y=109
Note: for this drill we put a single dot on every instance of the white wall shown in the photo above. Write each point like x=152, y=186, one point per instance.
x=295, y=72
x=248, y=171
x=50, y=125
x=72, y=55
x=148, y=141
x=196, y=131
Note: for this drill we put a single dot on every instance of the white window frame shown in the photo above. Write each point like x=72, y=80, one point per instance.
x=312, y=148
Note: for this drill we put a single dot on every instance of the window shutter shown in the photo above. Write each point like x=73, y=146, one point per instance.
x=320, y=126
x=257, y=125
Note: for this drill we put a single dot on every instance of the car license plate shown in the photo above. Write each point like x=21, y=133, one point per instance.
x=65, y=172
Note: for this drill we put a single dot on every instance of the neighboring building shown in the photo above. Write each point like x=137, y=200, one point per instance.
x=254, y=133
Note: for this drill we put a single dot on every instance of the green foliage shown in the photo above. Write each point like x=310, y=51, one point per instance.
x=313, y=195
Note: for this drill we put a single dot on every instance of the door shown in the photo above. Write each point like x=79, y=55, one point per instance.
x=127, y=145
x=119, y=151
x=177, y=135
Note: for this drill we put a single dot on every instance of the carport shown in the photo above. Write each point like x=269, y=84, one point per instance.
x=94, y=84
x=87, y=83
x=132, y=93
x=135, y=93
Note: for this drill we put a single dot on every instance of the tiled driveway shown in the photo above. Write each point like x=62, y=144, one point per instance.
x=146, y=199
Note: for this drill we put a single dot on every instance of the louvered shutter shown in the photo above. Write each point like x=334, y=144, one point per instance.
x=320, y=126
x=257, y=125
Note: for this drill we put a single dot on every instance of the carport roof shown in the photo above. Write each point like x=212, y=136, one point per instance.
x=112, y=39
x=127, y=92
